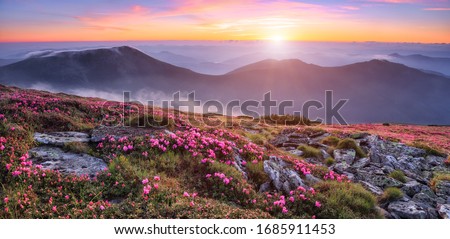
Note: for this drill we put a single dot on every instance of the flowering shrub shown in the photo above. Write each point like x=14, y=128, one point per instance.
x=190, y=173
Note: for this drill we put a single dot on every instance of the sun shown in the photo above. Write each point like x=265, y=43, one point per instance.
x=276, y=38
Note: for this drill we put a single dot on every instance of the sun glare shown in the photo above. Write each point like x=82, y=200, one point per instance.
x=276, y=38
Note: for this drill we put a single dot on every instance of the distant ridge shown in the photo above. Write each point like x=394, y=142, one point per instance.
x=377, y=90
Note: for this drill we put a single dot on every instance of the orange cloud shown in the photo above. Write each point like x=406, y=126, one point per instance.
x=233, y=19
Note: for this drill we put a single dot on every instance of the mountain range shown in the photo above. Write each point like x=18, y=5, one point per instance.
x=377, y=90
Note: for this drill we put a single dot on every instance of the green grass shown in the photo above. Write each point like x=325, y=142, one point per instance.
x=391, y=194
x=256, y=173
x=257, y=138
x=168, y=163
x=331, y=140
x=345, y=200
x=399, y=175
x=329, y=161
x=439, y=177
x=309, y=152
x=349, y=143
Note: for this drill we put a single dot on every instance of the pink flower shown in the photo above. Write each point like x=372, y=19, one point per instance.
x=186, y=194
x=102, y=207
x=291, y=199
x=147, y=189
x=12, y=128
x=2, y=147
x=125, y=148
x=194, y=195
x=16, y=173
x=67, y=197
x=284, y=210
x=313, y=217
x=54, y=208
x=192, y=204
x=145, y=181
x=318, y=204
x=156, y=178
x=226, y=181
x=208, y=175
x=155, y=185
x=6, y=199
x=8, y=166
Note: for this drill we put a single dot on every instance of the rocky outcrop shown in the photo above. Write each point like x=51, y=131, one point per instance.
x=50, y=155
x=444, y=211
x=66, y=162
x=407, y=210
x=282, y=176
x=373, y=172
x=61, y=138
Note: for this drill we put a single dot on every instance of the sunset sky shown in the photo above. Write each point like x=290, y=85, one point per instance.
x=425, y=21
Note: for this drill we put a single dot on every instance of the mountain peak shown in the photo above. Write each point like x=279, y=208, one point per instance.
x=274, y=64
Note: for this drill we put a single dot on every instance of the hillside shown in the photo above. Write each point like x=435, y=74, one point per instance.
x=399, y=93
x=117, y=68
x=64, y=156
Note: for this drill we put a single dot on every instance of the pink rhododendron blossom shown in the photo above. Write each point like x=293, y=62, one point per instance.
x=145, y=181
x=317, y=204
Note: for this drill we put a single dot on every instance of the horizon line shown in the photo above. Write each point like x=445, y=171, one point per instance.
x=230, y=40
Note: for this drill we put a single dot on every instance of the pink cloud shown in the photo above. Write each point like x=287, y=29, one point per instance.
x=351, y=8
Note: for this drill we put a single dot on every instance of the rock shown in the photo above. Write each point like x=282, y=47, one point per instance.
x=325, y=155
x=434, y=161
x=344, y=155
x=279, y=140
x=61, y=138
x=414, y=165
x=311, y=180
x=443, y=189
x=390, y=161
x=411, y=188
x=282, y=176
x=372, y=188
x=341, y=167
x=408, y=210
x=381, y=181
x=387, y=169
x=100, y=132
x=424, y=199
x=238, y=163
x=444, y=211
x=265, y=187
x=65, y=162
x=379, y=148
x=361, y=163
x=296, y=152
